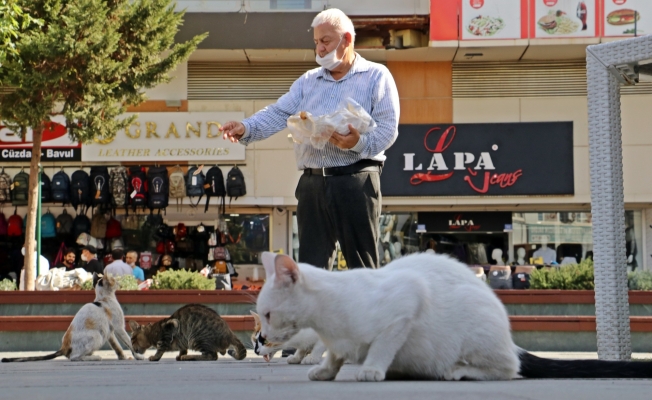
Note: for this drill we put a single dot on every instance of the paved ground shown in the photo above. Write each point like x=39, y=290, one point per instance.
x=252, y=378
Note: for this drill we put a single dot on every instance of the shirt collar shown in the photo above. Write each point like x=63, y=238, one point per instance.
x=359, y=65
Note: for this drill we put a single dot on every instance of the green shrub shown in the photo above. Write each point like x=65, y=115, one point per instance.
x=639, y=280
x=7, y=285
x=181, y=279
x=569, y=277
x=126, y=282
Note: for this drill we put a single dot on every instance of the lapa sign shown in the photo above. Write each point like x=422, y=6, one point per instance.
x=169, y=136
x=480, y=160
x=55, y=143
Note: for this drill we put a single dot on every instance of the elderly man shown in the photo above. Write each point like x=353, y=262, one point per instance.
x=131, y=259
x=339, y=191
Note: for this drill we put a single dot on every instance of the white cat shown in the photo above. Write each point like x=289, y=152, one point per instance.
x=421, y=316
x=309, y=348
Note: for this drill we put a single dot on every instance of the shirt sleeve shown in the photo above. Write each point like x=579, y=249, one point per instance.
x=385, y=112
x=273, y=118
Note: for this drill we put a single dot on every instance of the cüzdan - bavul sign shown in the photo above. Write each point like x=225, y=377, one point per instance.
x=481, y=159
x=55, y=144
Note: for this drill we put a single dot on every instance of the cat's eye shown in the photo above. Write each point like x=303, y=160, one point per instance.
x=267, y=317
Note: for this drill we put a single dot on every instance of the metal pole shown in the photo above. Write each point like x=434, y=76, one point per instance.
x=38, y=223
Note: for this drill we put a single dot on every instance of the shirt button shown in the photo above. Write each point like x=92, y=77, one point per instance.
x=323, y=156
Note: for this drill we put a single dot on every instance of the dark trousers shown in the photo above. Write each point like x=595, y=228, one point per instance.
x=344, y=208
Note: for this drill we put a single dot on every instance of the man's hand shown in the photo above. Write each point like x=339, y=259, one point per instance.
x=346, y=141
x=232, y=131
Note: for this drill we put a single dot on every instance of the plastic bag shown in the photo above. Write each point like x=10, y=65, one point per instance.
x=319, y=129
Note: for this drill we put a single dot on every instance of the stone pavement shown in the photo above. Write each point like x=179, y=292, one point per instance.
x=252, y=378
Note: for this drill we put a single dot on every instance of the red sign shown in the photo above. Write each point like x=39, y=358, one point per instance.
x=620, y=2
x=550, y=3
x=477, y=3
x=53, y=130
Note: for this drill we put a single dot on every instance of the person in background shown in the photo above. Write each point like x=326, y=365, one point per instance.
x=68, y=261
x=89, y=255
x=118, y=267
x=132, y=257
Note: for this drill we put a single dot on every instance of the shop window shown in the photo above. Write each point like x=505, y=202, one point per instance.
x=398, y=236
x=546, y=237
x=247, y=236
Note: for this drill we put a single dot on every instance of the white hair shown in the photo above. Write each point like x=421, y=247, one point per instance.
x=337, y=19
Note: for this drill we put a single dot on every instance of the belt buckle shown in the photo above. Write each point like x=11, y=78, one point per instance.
x=323, y=172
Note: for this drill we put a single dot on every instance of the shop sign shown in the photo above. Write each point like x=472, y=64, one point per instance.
x=627, y=17
x=464, y=222
x=55, y=144
x=565, y=18
x=169, y=136
x=493, y=19
x=481, y=159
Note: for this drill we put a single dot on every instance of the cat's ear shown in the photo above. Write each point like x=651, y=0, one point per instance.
x=268, y=263
x=133, y=325
x=173, y=323
x=286, y=271
x=256, y=317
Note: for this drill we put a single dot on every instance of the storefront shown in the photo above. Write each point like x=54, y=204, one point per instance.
x=481, y=167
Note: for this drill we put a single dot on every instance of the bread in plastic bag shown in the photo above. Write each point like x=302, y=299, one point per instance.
x=318, y=129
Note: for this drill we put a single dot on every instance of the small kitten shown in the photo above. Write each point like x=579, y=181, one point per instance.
x=421, y=316
x=192, y=327
x=309, y=348
x=92, y=326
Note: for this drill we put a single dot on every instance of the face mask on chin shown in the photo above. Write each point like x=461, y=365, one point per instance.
x=330, y=60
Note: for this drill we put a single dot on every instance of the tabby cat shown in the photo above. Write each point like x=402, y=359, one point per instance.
x=92, y=326
x=192, y=327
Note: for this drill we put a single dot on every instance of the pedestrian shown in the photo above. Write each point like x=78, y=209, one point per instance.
x=89, y=255
x=131, y=259
x=68, y=261
x=338, y=194
x=118, y=267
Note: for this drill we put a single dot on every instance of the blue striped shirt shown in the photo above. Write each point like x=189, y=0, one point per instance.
x=368, y=83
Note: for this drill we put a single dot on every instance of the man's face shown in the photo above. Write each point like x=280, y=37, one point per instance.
x=326, y=39
x=131, y=259
x=70, y=258
x=87, y=255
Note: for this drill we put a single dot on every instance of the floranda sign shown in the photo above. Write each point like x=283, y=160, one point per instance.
x=170, y=136
x=481, y=159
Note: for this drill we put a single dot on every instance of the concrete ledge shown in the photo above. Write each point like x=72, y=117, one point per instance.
x=44, y=323
x=246, y=323
x=250, y=296
x=570, y=323
x=132, y=296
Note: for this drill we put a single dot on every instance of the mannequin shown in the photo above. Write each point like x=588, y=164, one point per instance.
x=520, y=256
x=548, y=254
x=497, y=255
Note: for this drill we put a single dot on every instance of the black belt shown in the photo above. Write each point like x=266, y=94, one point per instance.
x=360, y=166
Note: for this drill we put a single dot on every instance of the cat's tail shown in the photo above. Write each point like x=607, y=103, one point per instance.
x=537, y=367
x=39, y=358
x=240, y=351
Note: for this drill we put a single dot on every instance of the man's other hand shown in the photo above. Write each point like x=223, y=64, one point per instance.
x=346, y=141
x=232, y=131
